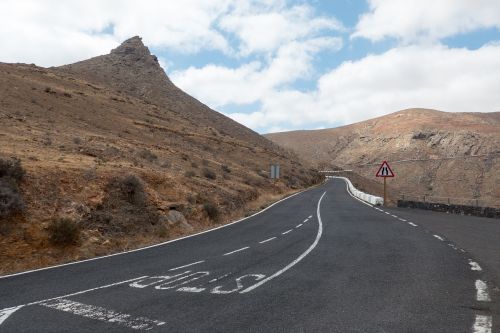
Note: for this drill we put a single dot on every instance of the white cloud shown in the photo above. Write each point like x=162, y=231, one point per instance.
x=54, y=32
x=414, y=76
x=265, y=27
x=416, y=20
x=219, y=86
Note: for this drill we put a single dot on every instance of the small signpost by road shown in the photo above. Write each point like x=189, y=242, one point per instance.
x=275, y=171
x=385, y=171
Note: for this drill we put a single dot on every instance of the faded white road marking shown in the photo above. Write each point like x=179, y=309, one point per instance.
x=5, y=313
x=220, y=277
x=482, y=324
x=453, y=246
x=387, y=213
x=181, y=280
x=239, y=284
x=102, y=314
x=191, y=264
x=151, y=280
x=302, y=256
x=74, y=294
x=284, y=233
x=298, y=225
x=191, y=289
x=267, y=240
x=403, y=220
x=474, y=266
x=482, y=291
x=242, y=249
x=439, y=237
x=395, y=216
x=412, y=224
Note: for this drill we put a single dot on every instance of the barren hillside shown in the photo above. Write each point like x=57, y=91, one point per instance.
x=112, y=146
x=433, y=153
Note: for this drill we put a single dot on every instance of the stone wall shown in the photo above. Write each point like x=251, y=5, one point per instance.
x=452, y=209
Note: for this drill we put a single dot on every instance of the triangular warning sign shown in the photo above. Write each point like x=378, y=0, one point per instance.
x=385, y=170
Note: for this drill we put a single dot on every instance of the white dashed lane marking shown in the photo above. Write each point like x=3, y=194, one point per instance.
x=482, y=291
x=284, y=233
x=412, y=224
x=387, y=213
x=310, y=217
x=395, y=216
x=299, y=258
x=482, y=324
x=267, y=240
x=184, y=266
x=474, y=266
x=242, y=249
x=439, y=237
x=298, y=225
x=102, y=314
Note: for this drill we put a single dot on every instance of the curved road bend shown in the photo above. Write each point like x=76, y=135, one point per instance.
x=320, y=261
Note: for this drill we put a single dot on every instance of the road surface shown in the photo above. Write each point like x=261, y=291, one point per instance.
x=319, y=261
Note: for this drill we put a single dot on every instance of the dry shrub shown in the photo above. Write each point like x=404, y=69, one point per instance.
x=211, y=210
x=63, y=232
x=209, y=174
x=11, y=200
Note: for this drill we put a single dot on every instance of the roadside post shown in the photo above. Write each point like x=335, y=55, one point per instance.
x=385, y=171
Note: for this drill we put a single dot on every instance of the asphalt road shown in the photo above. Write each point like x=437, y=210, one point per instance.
x=320, y=261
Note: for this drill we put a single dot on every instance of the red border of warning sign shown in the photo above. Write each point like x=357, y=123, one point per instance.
x=380, y=169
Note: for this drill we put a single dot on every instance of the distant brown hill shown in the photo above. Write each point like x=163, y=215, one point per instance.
x=433, y=153
x=112, y=144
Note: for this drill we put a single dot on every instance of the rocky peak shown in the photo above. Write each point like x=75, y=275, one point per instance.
x=134, y=49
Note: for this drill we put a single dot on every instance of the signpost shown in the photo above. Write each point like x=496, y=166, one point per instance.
x=385, y=171
x=275, y=171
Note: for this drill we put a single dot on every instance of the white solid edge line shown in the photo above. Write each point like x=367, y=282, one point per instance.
x=482, y=324
x=439, y=237
x=267, y=240
x=154, y=245
x=191, y=264
x=298, y=259
x=482, y=291
x=242, y=249
x=284, y=233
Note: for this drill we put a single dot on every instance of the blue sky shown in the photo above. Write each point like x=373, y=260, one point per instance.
x=278, y=65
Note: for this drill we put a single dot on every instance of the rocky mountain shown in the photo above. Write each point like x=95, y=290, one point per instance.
x=111, y=148
x=435, y=154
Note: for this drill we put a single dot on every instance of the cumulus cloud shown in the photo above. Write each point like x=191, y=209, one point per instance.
x=54, y=32
x=250, y=82
x=413, y=76
x=265, y=27
x=416, y=20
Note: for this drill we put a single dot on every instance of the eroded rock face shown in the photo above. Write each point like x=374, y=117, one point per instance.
x=433, y=153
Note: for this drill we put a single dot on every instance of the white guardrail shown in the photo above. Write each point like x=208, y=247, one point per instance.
x=374, y=200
